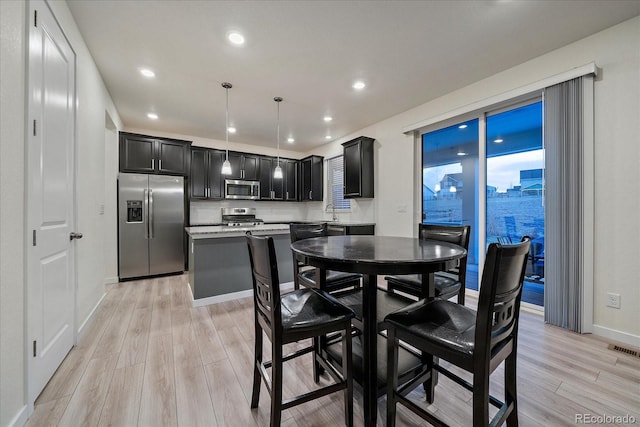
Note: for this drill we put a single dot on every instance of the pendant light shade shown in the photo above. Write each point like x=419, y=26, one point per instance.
x=277, y=172
x=226, y=166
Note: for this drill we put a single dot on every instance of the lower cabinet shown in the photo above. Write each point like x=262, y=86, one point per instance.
x=346, y=230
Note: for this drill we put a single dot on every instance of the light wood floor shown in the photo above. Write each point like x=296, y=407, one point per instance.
x=149, y=359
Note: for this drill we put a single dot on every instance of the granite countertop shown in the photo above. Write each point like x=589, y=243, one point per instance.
x=218, y=231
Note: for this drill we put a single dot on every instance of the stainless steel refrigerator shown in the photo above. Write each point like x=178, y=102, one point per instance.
x=150, y=224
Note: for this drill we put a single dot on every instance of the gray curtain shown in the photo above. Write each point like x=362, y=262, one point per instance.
x=563, y=139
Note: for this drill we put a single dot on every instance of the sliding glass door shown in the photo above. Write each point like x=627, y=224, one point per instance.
x=513, y=160
x=515, y=187
x=449, y=183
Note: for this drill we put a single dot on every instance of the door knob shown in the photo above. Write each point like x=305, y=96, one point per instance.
x=75, y=236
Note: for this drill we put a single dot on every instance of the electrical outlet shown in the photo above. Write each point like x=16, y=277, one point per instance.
x=613, y=300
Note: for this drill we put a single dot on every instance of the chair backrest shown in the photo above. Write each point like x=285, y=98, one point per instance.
x=500, y=294
x=307, y=231
x=266, y=283
x=456, y=234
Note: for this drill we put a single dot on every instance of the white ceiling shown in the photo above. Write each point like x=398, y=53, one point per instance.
x=310, y=53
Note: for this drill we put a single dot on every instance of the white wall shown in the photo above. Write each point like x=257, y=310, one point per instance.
x=93, y=101
x=110, y=200
x=12, y=210
x=617, y=155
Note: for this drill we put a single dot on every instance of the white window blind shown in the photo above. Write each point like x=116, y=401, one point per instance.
x=335, y=176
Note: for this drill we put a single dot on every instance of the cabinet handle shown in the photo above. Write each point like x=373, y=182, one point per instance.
x=310, y=194
x=287, y=195
x=153, y=164
x=160, y=164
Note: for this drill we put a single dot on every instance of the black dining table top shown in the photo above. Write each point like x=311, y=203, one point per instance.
x=378, y=252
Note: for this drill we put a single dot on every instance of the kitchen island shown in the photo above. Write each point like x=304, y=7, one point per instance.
x=219, y=268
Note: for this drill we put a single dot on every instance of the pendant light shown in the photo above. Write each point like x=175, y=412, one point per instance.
x=277, y=173
x=226, y=166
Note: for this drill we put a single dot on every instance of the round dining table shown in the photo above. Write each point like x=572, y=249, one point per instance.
x=373, y=256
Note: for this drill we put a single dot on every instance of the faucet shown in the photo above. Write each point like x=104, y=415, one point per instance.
x=333, y=212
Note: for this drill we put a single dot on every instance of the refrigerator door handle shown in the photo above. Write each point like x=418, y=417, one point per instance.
x=145, y=212
x=151, y=214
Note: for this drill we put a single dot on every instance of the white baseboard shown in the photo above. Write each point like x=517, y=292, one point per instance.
x=612, y=334
x=89, y=319
x=228, y=297
x=110, y=280
x=20, y=419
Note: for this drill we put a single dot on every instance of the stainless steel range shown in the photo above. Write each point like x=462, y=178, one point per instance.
x=240, y=217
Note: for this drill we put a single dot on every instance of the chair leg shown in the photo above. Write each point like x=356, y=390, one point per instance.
x=429, y=385
x=257, y=380
x=392, y=376
x=317, y=369
x=461, y=296
x=510, y=380
x=348, y=375
x=481, y=398
x=276, y=386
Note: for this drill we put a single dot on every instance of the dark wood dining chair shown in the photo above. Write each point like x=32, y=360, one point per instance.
x=336, y=280
x=295, y=316
x=447, y=283
x=475, y=341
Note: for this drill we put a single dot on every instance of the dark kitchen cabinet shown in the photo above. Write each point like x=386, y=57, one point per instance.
x=244, y=166
x=358, y=168
x=271, y=188
x=148, y=154
x=205, y=179
x=311, y=170
x=290, y=170
x=351, y=229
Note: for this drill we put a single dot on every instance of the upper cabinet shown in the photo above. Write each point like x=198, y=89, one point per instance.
x=311, y=172
x=147, y=154
x=244, y=166
x=270, y=188
x=205, y=181
x=284, y=188
x=290, y=170
x=358, y=168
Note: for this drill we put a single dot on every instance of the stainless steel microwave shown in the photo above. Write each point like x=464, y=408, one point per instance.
x=241, y=189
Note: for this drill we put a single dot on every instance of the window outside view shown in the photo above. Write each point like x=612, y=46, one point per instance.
x=514, y=192
x=515, y=188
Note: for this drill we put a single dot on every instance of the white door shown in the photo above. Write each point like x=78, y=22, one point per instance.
x=50, y=197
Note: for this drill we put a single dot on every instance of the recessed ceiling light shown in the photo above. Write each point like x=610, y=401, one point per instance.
x=327, y=118
x=231, y=129
x=359, y=85
x=327, y=137
x=461, y=153
x=498, y=140
x=147, y=72
x=236, y=38
x=462, y=127
x=152, y=116
x=291, y=140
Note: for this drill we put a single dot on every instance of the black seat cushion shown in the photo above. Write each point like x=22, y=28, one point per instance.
x=334, y=278
x=306, y=309
x=444, y=324
x=386, y=302
x=445, y=283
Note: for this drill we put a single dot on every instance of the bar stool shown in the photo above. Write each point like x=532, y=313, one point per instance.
x=447, y=283
x=336, y=280
x=474, y=341
x=295, y=316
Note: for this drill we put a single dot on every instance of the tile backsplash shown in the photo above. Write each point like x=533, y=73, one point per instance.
x=209, y=212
